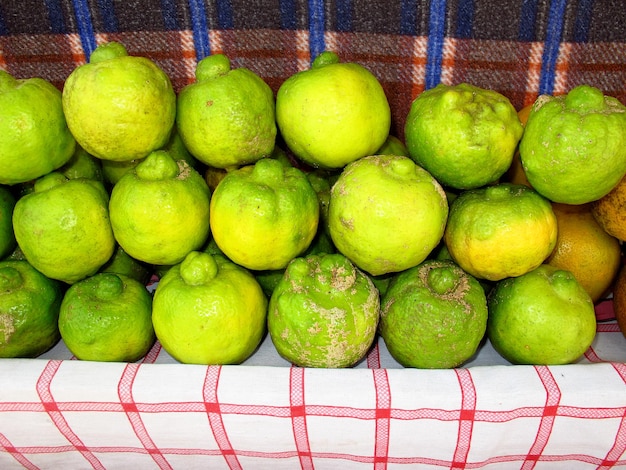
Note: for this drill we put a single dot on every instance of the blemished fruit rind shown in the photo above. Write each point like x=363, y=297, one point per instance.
x=7, y=236
x=502, y=230
x=63, y=227
x=610, y=211
x=134, y=99
x=386, y=213
x=323, y=312
x=543, y=317
x=227, y=117
x=574, y=146
x=160, y=210
x=29, y=310
x=35, y=137
x=433, y=316
x=107, y=317
x=465, y=136
x=264, y=215
x=209, y=310
x=583, y=247
x=333, y=113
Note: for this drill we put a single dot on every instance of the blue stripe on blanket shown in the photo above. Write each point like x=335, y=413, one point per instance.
x=551, y=46
x=199, y=29
x=528, y=16
x=317, y=43
x=288, y=14
x=168, y=8
x=55, y=15
x=434, y=48
x=408, y=17
x=465, y=17
x=583, y=20
x=107, y=13
x=85, y=26
x=225, y=14
x=344, y=15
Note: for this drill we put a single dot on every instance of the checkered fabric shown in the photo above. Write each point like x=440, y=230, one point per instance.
x=60, y=413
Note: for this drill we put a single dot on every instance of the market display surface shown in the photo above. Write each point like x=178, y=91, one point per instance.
x=303, y=238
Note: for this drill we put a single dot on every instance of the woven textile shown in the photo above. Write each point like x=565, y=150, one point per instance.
x=58, y=412
x=519, y=48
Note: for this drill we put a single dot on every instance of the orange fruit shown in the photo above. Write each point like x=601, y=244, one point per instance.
x=610, y=211
x=585, y=249
x=619, y=300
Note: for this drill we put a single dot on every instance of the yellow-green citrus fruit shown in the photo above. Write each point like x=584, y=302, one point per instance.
x=323, y=312
x=35, y=137
x=543, y=317
x=574, y=146
x=124, y=264
x=393, y=146
x=500, y=231
x=63, y=227
x=7, y=237
x=264, y=215
x=82, y=165
x=227, y=117
x=465, y=136
x=433, y=316
x=29, y=310
x=332, y=113
x=119, y=107
x=107, y=317
x=209, y=310
x=113, y=171
x=386, y=213
x=160, y=210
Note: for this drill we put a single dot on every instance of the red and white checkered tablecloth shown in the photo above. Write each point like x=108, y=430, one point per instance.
x=59, y=412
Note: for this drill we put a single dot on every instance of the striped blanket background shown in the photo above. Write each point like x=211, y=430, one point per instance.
x=521, y=48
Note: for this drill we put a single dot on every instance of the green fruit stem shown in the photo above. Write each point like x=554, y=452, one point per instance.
x=157, y=166
x=108, y=51
x=109, y=286
x=212, y=66
x=198, y=268
x=325, y=58
x=442, y=280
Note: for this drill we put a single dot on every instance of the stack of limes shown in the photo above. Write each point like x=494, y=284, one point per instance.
x=298, y=213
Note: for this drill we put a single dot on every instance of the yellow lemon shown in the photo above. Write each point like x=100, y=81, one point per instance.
x=333, y=113
x=264, y=215
x=119, y=107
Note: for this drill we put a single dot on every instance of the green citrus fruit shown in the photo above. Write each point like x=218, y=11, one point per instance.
x=160, y=210
x=63, y=227
x=332, y=113
x=107, y=317
x=465, y=136
x=264, y=215
x=543, y=317
x=323, y=312
x=386, y=213
x=124, y=264
x=393, y=146
x=119, y=107
x=7, y=236
x=500, y=231
x=574, y=146
x=113, y=171
x=209, y=310
x=29, y=310
x=227, y=117
x=433, y=316
x=35, y=137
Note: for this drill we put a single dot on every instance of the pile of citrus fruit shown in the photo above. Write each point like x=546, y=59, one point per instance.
x=298, y=215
